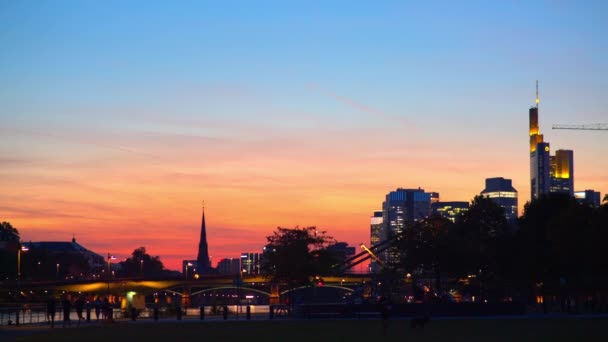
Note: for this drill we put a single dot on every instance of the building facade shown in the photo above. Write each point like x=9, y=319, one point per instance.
x=229, y=266
x=401, y=208
x=250, y=263
x=450, y=210
x=501, y=191
x=591, y=197
x=562, y=172
x=375, y=229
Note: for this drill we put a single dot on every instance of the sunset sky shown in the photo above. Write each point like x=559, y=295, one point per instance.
x=118, y=118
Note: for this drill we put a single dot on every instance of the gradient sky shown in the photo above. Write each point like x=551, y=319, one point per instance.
x=118, y=118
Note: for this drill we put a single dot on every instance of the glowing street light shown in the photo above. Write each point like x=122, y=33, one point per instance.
x=21, y=249
x=186, y=273
x=110, y=258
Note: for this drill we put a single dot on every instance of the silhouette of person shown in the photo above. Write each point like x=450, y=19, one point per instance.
x=107, y=309
x=67, y=308
x=50, y=311
x=97, y=305
x=79, y=305
x=384, y=308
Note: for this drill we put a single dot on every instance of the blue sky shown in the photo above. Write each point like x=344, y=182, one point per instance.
x=332, y=102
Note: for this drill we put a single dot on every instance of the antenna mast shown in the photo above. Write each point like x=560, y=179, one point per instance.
x=537, y=99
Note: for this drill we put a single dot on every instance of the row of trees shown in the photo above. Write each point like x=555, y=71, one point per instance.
x=556, y=247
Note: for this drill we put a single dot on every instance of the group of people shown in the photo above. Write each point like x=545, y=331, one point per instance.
x=102, y=308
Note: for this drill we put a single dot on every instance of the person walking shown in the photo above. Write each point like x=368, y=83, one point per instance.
x=79, y=305
x=50, y=311
x=67, y=308
x=97, y=305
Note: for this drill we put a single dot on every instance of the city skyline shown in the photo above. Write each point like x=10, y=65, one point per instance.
x=118, y=119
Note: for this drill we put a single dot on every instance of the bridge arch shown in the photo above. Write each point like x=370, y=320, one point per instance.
x=307, y=287
x=230, y=287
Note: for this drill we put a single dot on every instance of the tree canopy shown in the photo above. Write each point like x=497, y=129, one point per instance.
x=8, y=232
x=141, y=264
x=296, y=255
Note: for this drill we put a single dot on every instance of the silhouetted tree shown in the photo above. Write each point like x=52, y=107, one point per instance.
x=8, y=232
x=562, y=246
x=296, y=255
x=478, y=243
x=9, y=243
x=141, y=264
x=424, y=247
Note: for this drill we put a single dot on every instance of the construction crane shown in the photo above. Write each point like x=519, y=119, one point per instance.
x=595, y=127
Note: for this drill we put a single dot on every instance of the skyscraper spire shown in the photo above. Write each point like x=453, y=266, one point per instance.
x=537, y=98
x=202, y=259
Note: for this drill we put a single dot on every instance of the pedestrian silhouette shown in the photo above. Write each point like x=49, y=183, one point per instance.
x=97, y=305
x=50, y=311
x=79, y=305
x=384, y=308
x=67, y=308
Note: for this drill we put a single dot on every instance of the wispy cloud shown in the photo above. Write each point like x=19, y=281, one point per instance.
x=78, y=141
x=360, y=106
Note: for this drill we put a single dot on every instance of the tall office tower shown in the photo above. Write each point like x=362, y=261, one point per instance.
x=590, y=197
x=250, y=263
x=548, y=174
x=202, y=260
x=375, y=229
x=502, y=192
x=539, y=156
x=562, y=172
x=449, y=210
x=402, y=207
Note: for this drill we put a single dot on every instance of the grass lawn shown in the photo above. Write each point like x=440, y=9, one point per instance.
x=570, y=329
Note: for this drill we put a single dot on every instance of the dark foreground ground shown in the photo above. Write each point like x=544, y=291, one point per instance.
x=513, y=329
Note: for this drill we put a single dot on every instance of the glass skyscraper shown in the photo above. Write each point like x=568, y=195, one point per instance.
x=502, y=192
x=401, y=208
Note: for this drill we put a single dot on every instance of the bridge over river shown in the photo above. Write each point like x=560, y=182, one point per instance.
x=257, y=285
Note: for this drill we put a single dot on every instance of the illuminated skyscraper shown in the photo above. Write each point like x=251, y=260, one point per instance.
x=450, y=210
x=502, y=192
x=250, y=263
x=401, y=208
x=562, y=172
x=548, y=174
x=375, y=229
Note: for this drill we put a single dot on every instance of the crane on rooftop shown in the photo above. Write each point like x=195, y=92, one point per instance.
x=595, y=127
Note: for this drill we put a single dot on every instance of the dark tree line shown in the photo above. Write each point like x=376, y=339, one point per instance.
x=556, y=248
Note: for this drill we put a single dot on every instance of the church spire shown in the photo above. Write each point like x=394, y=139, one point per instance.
x=203, y=253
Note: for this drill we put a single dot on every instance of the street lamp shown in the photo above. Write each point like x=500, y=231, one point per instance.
x=141, y=267
x=110, y=258
x=21, y=249
x=57, y=273
x=186, y=273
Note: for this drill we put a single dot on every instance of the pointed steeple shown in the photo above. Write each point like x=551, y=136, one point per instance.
x=203, y=252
